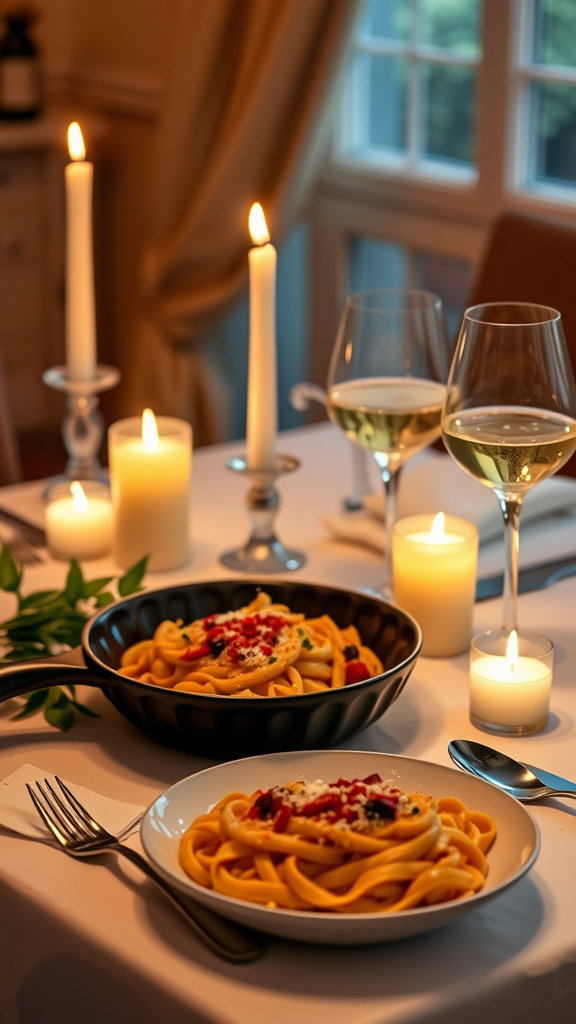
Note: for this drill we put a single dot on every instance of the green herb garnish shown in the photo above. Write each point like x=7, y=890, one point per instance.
x=272, y=660
x=308, y=644
x=50, y=621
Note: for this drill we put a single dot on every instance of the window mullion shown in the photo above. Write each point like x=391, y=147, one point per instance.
x=413, y=112
x=524, y=17
x=548, y=73
x=357, y=111
x=522, y=160
x=435, y=54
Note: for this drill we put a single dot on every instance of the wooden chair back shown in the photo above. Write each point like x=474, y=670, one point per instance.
x=532, y=259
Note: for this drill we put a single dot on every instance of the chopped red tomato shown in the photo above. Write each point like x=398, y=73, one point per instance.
x=327, y=802
x=356, y=672
x=281, y=820
x=193, y=653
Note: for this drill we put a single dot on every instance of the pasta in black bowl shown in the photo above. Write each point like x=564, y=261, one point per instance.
x=216, y=724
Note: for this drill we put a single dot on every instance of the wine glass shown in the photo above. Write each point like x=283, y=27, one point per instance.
x=510, y=413
x=387, y=383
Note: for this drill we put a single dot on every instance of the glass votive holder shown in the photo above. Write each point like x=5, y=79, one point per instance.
x=150, y=473
x=510, y=681
x=434, y=561
x=78, y=520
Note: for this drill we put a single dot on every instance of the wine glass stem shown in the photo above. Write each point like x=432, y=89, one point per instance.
x=511, y=512
x=390, y=480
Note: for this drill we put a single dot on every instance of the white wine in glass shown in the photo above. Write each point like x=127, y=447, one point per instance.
x=510, y=414
x=386, y=383
x=387, y=415
x=510, y=448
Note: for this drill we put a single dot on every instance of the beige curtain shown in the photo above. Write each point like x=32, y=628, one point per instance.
x=243, y=116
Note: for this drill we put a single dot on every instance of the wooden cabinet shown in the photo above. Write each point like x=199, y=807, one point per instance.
x=31, y=267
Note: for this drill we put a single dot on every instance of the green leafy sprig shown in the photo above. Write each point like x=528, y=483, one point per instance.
x=50, y=621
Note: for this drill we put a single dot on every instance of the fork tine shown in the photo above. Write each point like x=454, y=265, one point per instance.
x=24, y=552
x=65, y=823
x=50, y=825
x=81, y=811
x=70, y=816
x=21, y=548
x=18, y=548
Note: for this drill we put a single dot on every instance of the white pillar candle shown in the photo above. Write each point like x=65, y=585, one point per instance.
x=510, y=692
x=80, y=311
x=434, y=567
x=79, y=526
x=150, y=470
x=261, y=424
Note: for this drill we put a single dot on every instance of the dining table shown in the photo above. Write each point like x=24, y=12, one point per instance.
x=94, y=941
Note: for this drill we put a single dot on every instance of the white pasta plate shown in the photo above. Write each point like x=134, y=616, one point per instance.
x=512, y=855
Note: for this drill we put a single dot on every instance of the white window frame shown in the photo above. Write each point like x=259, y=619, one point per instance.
x=409, y=161
x=527, y=72
x=451, y=218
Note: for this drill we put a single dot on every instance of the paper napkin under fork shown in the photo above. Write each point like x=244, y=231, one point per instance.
x=18, y=813
x=433, y=482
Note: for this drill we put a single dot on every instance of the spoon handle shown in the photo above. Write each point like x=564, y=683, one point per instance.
x=560, y=792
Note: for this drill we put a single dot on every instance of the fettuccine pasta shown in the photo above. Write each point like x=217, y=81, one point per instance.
x=262, y=650
x=359, y=846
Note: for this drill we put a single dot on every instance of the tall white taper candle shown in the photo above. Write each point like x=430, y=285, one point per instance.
x=262, y=414
x=80, y=313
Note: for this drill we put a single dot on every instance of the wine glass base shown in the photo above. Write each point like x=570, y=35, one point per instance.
x=385, y=594
x=267, y=558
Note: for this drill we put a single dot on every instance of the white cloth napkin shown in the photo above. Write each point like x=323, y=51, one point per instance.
x=433, y=482
x=17, y=812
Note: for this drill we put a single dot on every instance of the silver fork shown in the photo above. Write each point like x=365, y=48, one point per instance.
x=22, y=550
x=81, y=836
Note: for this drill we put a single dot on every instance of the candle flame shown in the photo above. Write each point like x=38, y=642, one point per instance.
x=437, y=528
x=79, y=499
x=512, y=651
x=257, y=225
x=76, y=146
x=150, y=432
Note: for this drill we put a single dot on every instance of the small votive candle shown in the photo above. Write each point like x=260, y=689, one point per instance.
x=510, y=681
x=79, y=521
x=150, y=471
x=434, y=561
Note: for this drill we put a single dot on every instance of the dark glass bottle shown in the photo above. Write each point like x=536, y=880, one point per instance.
x=19, y=68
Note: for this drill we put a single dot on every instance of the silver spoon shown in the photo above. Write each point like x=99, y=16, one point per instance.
x=503, y=771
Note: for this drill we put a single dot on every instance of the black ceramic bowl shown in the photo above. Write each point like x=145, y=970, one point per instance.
x=232, y=727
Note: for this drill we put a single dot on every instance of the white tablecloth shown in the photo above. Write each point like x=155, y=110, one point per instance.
x=93, y=942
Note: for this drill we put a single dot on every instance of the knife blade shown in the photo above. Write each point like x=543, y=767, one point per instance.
x=531, y=577
x=554, y=781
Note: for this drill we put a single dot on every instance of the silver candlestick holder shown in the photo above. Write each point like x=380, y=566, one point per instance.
x=263, y=553
x=83, y=425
